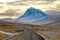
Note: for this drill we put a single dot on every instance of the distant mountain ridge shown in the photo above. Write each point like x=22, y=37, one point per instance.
x=8, y=19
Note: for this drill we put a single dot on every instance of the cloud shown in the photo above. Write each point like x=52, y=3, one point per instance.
x=6, y=0
x=36, y=0
x=8, y=13
x=45, y=5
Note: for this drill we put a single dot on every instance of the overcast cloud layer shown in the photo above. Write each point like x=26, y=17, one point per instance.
x=19, y=7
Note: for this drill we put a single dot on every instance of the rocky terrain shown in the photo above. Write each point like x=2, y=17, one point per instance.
x=9, y=30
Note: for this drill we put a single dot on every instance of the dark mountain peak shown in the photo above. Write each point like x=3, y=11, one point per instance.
x=33, y=11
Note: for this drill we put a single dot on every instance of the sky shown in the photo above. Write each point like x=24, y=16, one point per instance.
x=15, y=8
